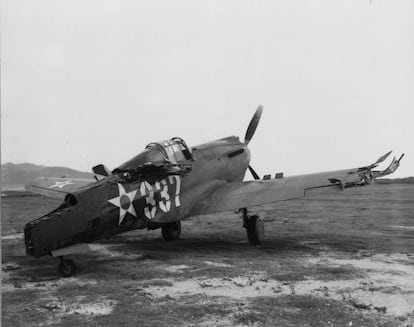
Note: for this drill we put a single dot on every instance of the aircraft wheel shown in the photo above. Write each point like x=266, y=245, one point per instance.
x=255, y=230
x=66, y=267
x=172, y=231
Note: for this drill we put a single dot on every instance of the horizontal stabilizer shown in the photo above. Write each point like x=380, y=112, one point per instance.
x=55, y=187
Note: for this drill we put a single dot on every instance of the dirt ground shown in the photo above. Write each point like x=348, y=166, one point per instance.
x=342, y=259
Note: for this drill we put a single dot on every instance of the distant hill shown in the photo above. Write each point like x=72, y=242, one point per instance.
x=15, y=176
x=405, y=180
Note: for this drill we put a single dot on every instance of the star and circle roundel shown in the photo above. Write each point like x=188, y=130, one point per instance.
x=124, y=201
x=160, y=197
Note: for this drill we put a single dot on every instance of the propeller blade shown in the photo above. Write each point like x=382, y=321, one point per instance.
x=254, y=174
x=253, y=125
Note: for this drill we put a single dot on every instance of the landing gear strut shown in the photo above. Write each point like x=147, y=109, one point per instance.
x=171, y=231
x=66, y=267
x=254, y=227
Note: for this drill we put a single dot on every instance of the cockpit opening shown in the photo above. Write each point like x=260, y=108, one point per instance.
x=70, y=200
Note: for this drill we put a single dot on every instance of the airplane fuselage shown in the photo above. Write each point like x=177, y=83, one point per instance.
x=118, y=204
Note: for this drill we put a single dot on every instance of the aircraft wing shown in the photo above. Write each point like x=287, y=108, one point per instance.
x=57, y=187
x=251, y=193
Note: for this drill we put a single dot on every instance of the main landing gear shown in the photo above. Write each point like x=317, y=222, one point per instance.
x=66, y=267
x=254, y=227
x=171, y=231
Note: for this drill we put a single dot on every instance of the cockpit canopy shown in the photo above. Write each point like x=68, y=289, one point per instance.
x=174, y=151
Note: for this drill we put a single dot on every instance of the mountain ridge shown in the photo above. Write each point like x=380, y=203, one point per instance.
x=16, y=176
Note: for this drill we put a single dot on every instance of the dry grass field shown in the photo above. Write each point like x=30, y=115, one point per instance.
x=344, y=259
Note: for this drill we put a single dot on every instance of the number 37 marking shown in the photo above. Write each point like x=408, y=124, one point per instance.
x=164, y=203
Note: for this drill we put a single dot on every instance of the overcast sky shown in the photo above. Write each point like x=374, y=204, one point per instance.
x=88, y=82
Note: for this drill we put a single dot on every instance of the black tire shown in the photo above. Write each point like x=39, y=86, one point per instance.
x=255, y=230
x=172, y=231
x=67, y=268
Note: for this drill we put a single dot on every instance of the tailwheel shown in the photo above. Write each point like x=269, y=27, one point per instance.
x=66, y=267
x=171, y=231
x=255, y=229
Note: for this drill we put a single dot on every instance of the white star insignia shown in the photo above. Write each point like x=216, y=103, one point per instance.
x=62, y=184
x=124, y=202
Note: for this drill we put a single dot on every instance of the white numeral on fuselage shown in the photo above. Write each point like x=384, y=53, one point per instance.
x=164, y=203
x=150, y=208
x=177, y=188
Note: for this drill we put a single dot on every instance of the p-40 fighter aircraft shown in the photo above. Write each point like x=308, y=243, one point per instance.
x=162, y=185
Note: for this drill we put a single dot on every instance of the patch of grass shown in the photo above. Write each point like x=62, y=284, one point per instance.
x=288, y=277
x=325, y=273
x=308, y=311
x=20, y=308
x=156, y=282
x=318, y=271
